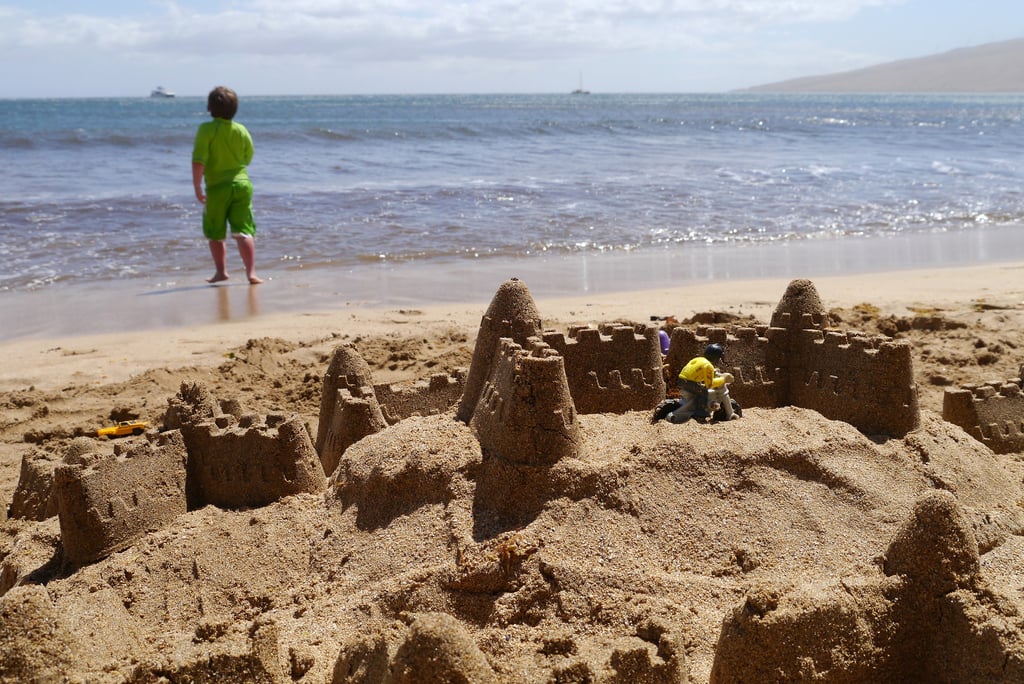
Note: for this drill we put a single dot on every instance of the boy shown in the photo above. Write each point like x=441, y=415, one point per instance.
x=222, y=150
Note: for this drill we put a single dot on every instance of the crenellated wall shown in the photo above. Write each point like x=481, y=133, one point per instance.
x=992, y=413
x=247, y=463
x=352, y=407
x=864, y=380
x=105, y=505
x=611, y=371
x=757, y=379
x=421, y=397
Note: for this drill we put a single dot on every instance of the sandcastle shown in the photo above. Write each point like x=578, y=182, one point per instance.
x=525, y=380
x=351, y=406
x=864, y=380
x=610, y=371
x=106, y=501
x=480, y=583
x=992, y=413
x=522, y=395
x=106, y=505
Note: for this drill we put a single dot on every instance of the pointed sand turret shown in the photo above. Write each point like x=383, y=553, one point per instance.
x=512, y=314
x=800, y=307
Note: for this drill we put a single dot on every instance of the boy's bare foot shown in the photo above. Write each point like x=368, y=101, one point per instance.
x=217, y=277
x=253, y=280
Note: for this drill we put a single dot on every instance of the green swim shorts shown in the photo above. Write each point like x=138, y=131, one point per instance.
x=229, y=203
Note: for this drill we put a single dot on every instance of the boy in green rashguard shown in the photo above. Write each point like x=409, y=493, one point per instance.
x=222, y=150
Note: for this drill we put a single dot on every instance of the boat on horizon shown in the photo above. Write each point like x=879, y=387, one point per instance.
x=580, y=90
x=160, y=91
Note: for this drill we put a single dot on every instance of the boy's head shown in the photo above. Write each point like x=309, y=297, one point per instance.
x=222, y=103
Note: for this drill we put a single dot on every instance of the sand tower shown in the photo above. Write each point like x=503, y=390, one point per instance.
x=512, y=314
x=800, y=307
x=935, y=547
x=348, y=406
x=107, y=505
x=525, y=414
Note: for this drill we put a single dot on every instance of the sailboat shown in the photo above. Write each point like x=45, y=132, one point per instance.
x=580, y=90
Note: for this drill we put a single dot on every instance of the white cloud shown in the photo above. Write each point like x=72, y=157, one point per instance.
x=404, y=29
x=104, y=47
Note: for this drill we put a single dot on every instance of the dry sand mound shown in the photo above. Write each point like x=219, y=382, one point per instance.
x=621, y=565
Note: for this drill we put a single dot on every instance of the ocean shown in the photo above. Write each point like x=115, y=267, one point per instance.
x=372, y=194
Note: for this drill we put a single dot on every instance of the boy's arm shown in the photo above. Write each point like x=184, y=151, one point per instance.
x=197, y=181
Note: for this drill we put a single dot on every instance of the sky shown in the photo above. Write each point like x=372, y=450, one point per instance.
x=113, y=48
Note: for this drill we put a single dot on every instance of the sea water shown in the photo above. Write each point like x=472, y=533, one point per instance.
x=98, y=191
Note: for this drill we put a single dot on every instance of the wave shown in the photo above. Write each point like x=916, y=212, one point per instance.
x=72, y=139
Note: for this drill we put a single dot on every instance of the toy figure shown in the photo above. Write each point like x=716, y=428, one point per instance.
x=703, y=390
x=664, y=341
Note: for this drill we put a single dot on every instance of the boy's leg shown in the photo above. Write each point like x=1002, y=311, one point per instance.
x=243, y=227
x=219, y=252
x=247, y=250
x=215, y=230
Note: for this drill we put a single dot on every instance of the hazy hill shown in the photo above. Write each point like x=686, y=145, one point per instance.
x=989, y=68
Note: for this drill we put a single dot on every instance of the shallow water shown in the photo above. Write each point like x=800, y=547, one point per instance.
x=100, y=192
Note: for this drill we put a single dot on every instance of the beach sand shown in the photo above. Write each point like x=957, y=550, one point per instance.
x=664, y=539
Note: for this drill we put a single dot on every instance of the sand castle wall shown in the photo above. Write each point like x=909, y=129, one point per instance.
x=249, y=463
x=864, y=380
x=756, y=372
x=108, y=504
x=420, y=398
x=105, y=502
x=33, y=497
x=352, y=407
x=992, y=413
x=611, y=373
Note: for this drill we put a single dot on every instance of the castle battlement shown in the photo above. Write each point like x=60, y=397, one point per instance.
x=992, y=413
x=516, y=329
x=747, y=355
x=803, y=321
x=107, y=504
x=352, y=407
x=236, y=466
x=611, y=370
x=422, y=397
x=865, y=380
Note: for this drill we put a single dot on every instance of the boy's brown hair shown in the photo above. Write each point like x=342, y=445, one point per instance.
x=222, y=103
